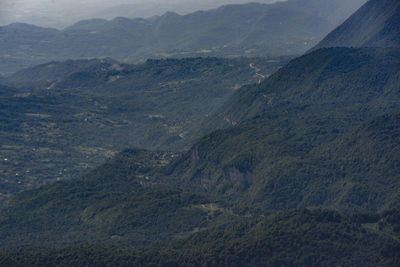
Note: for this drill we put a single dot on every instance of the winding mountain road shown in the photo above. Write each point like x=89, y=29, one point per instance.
x=257, y=71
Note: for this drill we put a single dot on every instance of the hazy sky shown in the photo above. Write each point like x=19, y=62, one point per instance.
x=61, y=13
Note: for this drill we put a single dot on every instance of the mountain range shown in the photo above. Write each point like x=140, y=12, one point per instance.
x=232, y=30
x=302, y=172
x=62, y=13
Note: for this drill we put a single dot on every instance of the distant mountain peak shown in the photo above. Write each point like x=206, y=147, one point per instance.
x=171, y=14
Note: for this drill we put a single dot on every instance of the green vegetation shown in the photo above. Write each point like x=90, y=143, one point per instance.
x=120, y=202
x=278, y=159
x=298, y=238
x=305, y=174
x=298, y=155
x=327, y=79
x=278, y=163
x=71, y=122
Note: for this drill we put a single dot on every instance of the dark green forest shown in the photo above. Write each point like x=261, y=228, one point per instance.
x=297, y=238
x=317, y=173
x=232, y=162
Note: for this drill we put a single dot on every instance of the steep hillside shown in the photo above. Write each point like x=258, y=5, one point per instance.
x=316, y=154
x=305, y=174
x=376, y=24
x=367, y=161
x=327, y=78
x=274, y=161
x=68, y=125
x=279, y=162
x=283, y=28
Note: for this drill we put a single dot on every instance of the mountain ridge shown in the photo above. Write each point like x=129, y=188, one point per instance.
x=242, y=161
x=376, y=24
x=234, y=30
x=304, y=173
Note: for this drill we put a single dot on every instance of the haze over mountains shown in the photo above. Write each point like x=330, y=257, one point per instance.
x=233, y=30
x=302, y=172
x=62, y=13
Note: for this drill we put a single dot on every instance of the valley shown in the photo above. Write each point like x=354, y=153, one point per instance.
x=210, y=161
x=65, y=118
